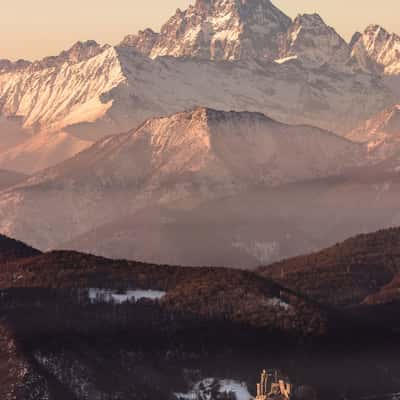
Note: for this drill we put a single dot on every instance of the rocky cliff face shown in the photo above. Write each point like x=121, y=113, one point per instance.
x=7, y=65
x=143, y=41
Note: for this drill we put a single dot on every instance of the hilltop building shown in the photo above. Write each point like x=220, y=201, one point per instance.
x=273, y=386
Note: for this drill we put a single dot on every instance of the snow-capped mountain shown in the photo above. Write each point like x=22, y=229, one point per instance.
x=80, y=51
x=118, y=89
x=314, y=43
x=50, y=98
x=217, y=30
x=228, y=55
x=186, y=158
x=377, y=51
x=237, y=29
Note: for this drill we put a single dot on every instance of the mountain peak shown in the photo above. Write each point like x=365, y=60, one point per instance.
x=374, y=28
x=309, y=19
x=239, y=5
x=217, y=30
x=83, y=45
x=81, y=51
x=314, y=43
x=78, y=52
x=354, y=39
x=211, y=116
x=10, y=66
x=190, y=157
x=144, y=41
x=377, y=51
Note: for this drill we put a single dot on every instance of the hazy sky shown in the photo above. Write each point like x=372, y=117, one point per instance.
x=35, y=28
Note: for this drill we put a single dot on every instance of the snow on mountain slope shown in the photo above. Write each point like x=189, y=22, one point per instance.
x=377, y=51
x=182, y=159
x=381, y=133
x=117, y=89
x=80, y=51
x=217, y=30
x=218, y=147
x=91, y=91
x=224, y=387
x=310, y=40
x=238, y=30
x=287, y=93
x=53, y=97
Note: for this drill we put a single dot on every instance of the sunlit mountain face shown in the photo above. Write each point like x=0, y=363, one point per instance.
x=194, y=208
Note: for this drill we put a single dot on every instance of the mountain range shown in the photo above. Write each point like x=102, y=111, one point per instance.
x=229, y=55
x=179, y=162
x=119, y=89
x=234, y=136
x=206, y=187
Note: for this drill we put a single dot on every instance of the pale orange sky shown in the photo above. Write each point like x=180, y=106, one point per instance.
x=34, y=29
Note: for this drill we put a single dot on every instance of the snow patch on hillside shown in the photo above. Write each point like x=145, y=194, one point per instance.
x=209, y=387
x=276, y=302
x=285, y=59
x=119, y=297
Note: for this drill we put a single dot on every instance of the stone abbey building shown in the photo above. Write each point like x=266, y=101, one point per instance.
x=273, y=386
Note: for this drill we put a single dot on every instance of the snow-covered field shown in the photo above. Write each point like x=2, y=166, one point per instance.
x=119, y=297
x=209, y=387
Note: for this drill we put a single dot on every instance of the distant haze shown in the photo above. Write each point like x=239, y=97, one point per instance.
x=34, y=29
